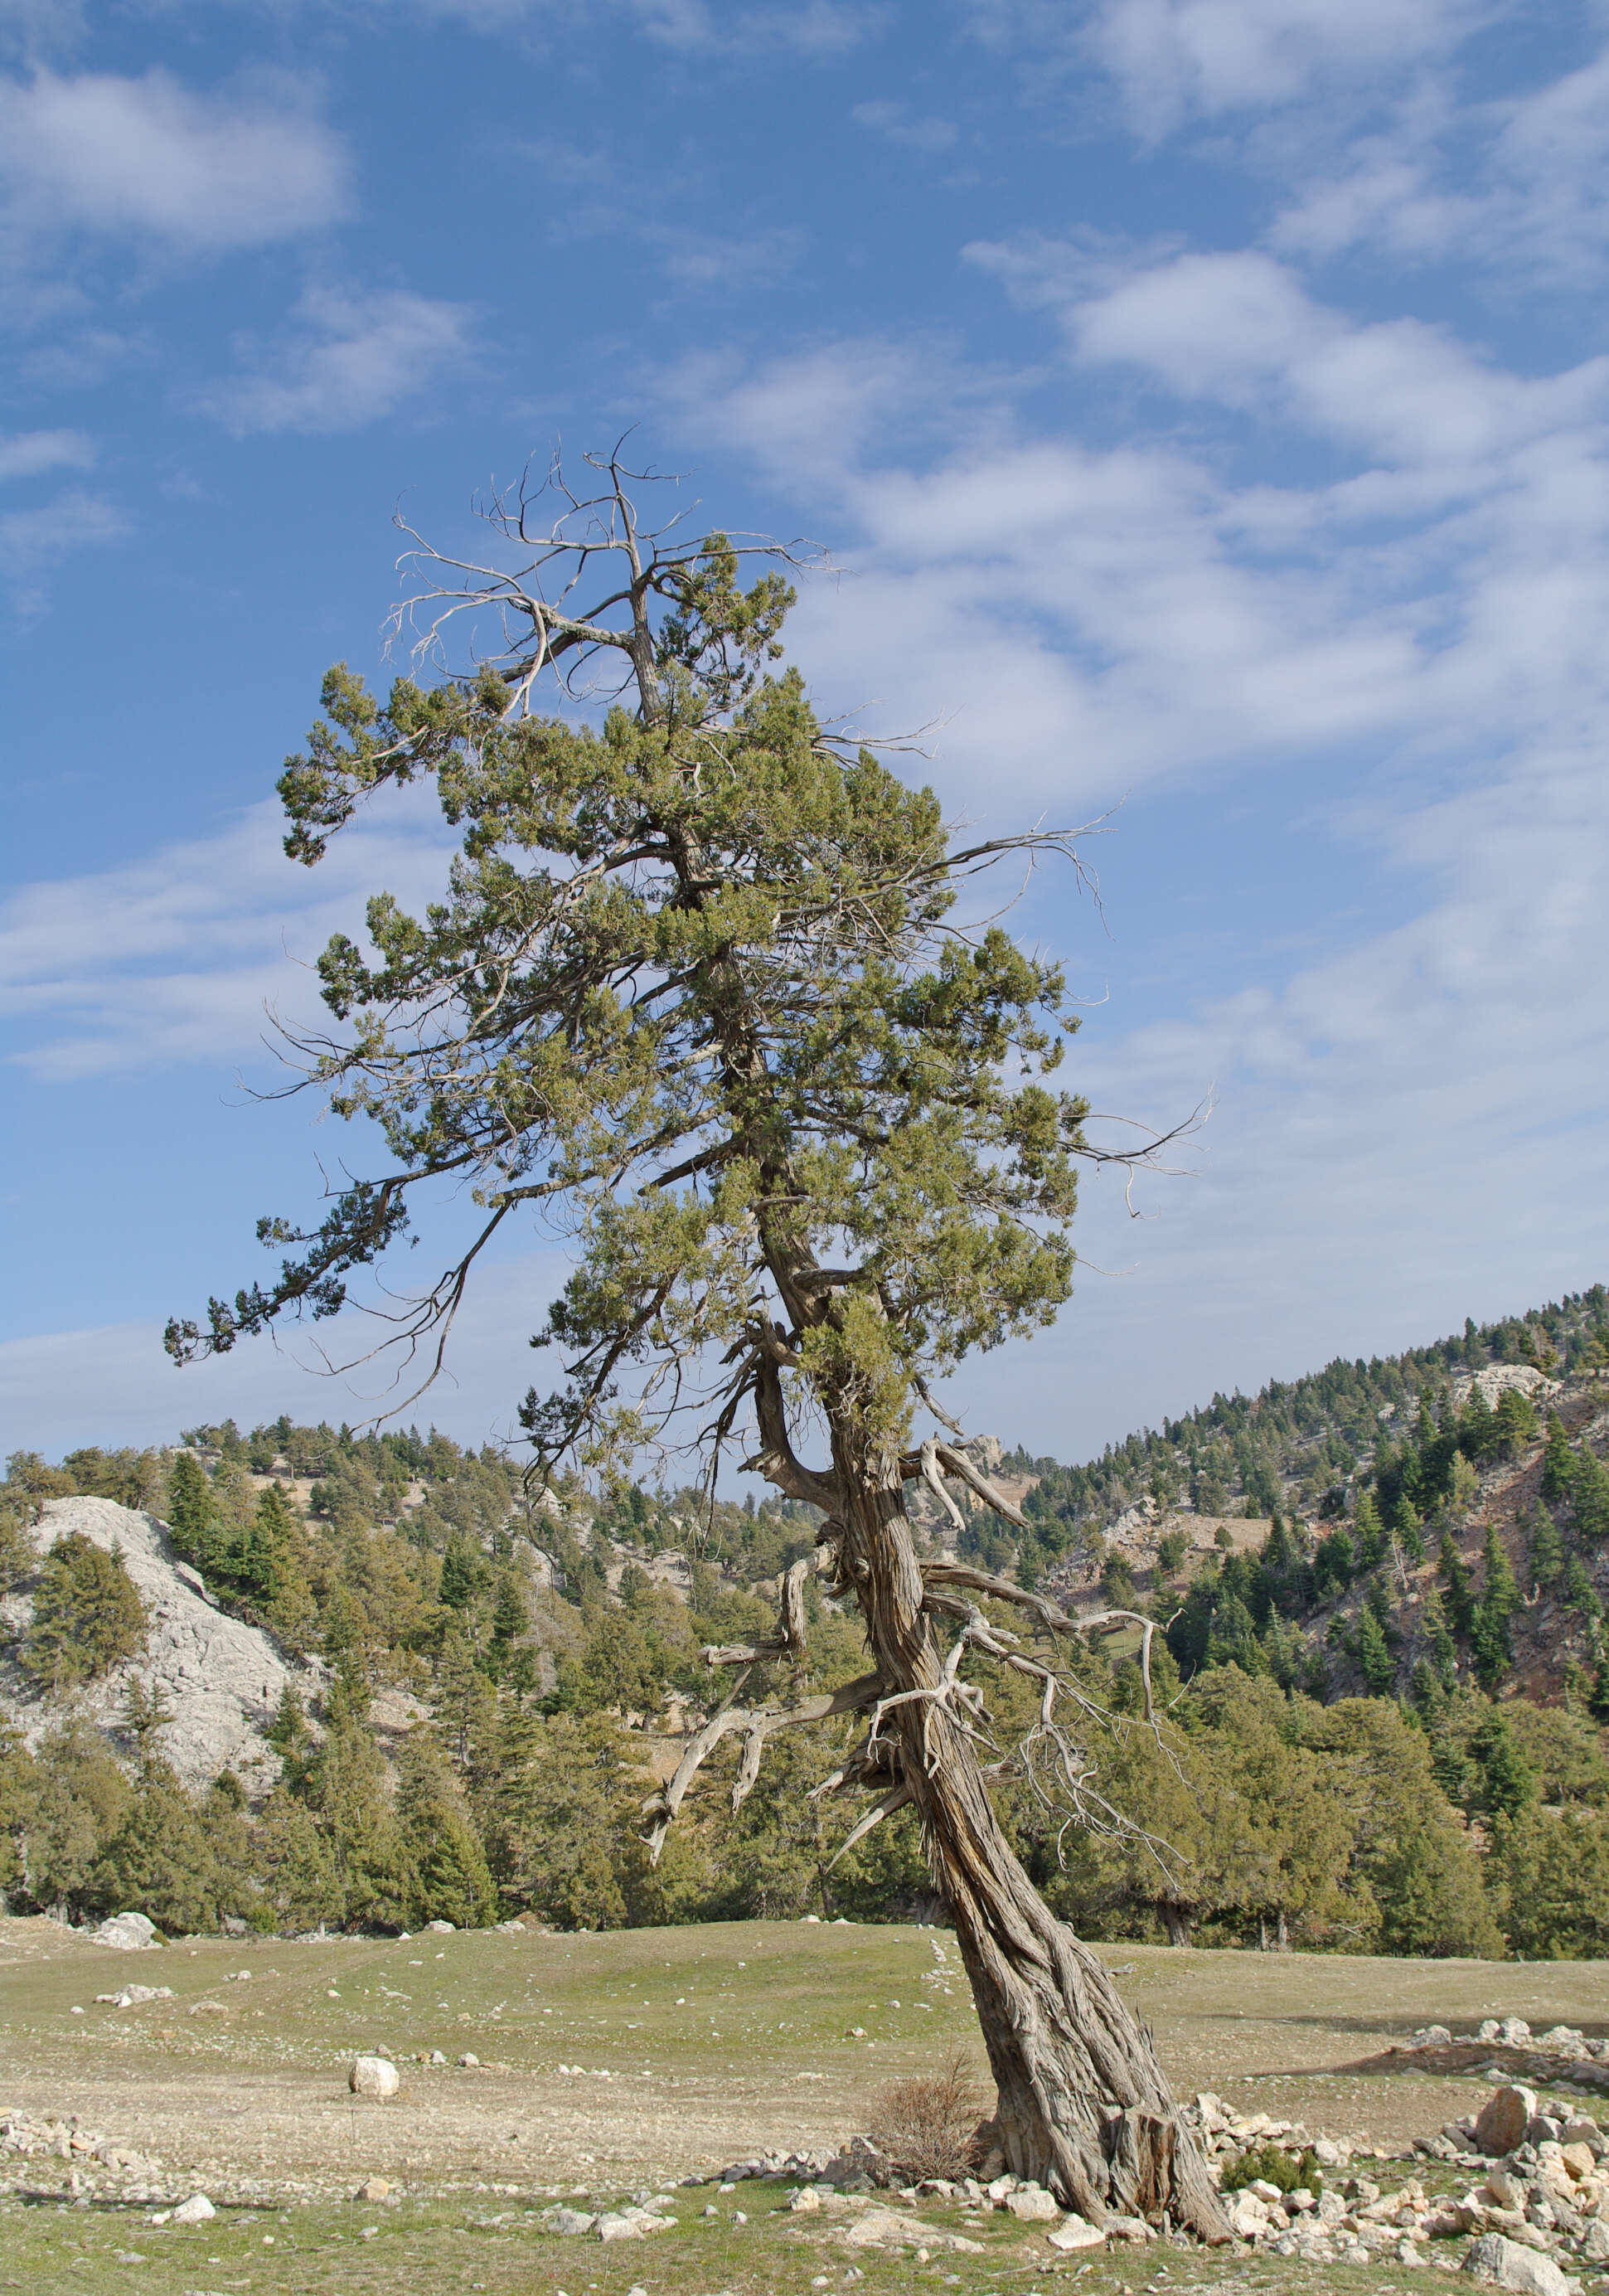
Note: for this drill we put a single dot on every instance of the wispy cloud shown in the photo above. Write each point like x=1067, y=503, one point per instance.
x=181, y=956
x=32, y=539
x=28, y=453
x=351, y=358
x=150, y=158
x=896, y=121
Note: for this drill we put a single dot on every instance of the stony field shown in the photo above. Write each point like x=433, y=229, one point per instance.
x=614, y=2067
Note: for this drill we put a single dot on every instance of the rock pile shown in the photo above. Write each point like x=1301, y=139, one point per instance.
x=1543, y=2195
x=633, y=2222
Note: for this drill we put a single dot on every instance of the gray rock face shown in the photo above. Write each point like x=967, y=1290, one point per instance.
x=221, y=1678
x=1505, y=2264
x=1503, y=2118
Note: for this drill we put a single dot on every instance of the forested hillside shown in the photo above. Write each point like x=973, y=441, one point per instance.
x=1382, y=1665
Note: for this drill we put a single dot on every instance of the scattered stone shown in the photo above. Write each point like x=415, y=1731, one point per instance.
x=375, y=2076
x=207, y=2009
x=569, y=2223
x=631, y=2224
x=1513, y=2032
x=1073, y=2232
x=131, y=1996
x=197, y=2209
x=1431, y=2037
x=374, y=2188
x=440, y=1929
x=1503, y=2118
x=880, y=2227
x=469, y=2060
x=1032, y=2204
x=1507, y=2265
x=128, y=1932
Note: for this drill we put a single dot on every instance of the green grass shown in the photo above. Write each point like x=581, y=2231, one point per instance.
x=424, y=2247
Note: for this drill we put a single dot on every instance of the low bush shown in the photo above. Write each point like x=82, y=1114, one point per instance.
x=1290, y=2172
x=927, y=2126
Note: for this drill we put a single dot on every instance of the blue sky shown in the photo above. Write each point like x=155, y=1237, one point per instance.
x=1206, y=401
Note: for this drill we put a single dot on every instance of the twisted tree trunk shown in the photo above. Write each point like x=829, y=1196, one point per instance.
x=1083, y=2107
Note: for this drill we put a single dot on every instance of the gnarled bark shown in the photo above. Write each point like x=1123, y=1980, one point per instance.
x=1083, y=2107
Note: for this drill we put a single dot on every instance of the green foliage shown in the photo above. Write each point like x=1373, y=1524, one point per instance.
x=1272, y=2164
x=448, y=1878
x=1547, y=1549
x=1375, y=1656
x=1550, y=1879
x=87, y=1614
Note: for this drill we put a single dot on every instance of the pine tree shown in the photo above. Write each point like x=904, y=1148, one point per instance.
x=1558, y=1462
x=160, y=1862
x=698, y=985
x=1373, y=1655
x=294, y=1865
x=1455, y=1577
x=191, y=1517
x=1370, y=1533
x=1510, y=1782
x=1443, y=1651
x=1406, y=1531
x=448, y=1878
x=1589, y=1497
x=87, y=1614
x=1546, y=1555
x=1499, y=1598
x=1580, y=1591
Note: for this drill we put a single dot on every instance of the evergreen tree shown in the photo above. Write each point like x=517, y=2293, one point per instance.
x=1580, y=1593
x=1510, y=1780
x=158, y=1861
x=191, y=1517
x=448, y=1879
x=294, y=1865
x=1589, y=1497
x=87, y=1614
x=462, y=1571
x=80, y=1796
x=1443, y=1651
x=347, y=1790
x=1546, y=1554
x=1455, y=1577
x=1370, y=1532
x=1407, y=1530
x=1374, y=1657
x=1558, y=1462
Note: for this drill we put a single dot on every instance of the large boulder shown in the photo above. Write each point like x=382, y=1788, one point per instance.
x=1505, y=2264
x=375, y=2076
x=128, y=1932
x=1503, y=2118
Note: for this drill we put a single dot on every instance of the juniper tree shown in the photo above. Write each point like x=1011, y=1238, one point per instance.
x=700, y=988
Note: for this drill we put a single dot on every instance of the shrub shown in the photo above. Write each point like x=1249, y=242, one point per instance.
x=927, y=2126
x=1275, y=2166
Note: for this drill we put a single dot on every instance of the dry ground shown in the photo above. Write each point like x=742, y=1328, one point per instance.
x=717, y=2042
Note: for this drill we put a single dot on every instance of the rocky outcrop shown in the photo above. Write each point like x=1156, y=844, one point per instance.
x=221, y=1678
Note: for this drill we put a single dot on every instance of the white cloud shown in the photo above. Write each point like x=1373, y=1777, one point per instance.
x=1516, y=185
x=894, y=121
x=28, y=453
x=356, y=357
x=149, y=157
x=1409, y=1127
x=71, y=520
x=1177, y=59
x=178, y=957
